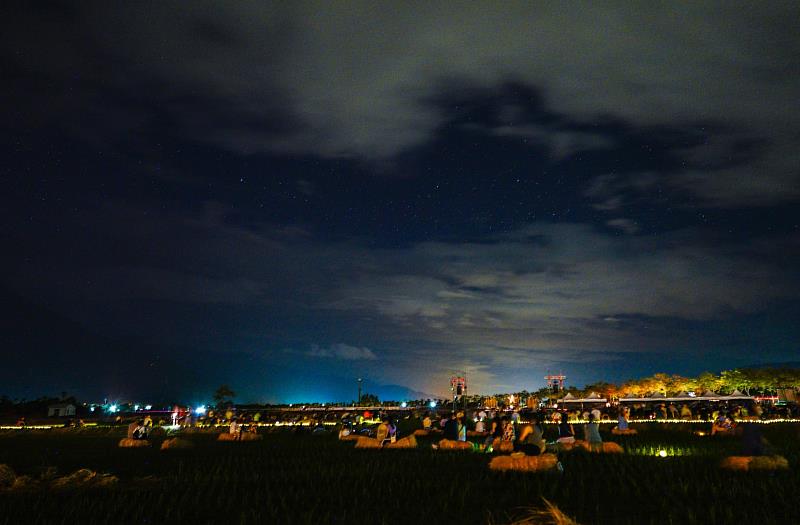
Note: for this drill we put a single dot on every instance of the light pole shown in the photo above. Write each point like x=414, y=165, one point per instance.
x=358, y=401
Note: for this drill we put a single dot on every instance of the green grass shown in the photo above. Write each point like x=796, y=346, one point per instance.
x=299, y=478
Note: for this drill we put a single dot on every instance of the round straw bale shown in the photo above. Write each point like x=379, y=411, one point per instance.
x=133, y=443
x=406, y=442
x=7, y=476
x=421, y=432
x=524, y=463
x=746, y=463
x=367, y=442
x=176, y=444
x=609, y=447
x=449, y=444
x=84, y=478
x=498, y=445
x=244, y=436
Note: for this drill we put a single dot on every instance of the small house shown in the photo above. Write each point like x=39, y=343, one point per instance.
x=61, y=410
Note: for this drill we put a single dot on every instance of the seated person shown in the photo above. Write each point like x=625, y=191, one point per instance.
x=722, y=425
x=566, y=434
x=622, y=422
x=140, y=432
x=382, y=433
x=531, y=439
x=451, y=429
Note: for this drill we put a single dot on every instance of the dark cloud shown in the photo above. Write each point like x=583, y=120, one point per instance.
x=403, y=191
x=354, y=82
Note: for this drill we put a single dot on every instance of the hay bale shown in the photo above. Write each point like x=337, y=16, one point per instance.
x=154, y=432
x=7, y=476
x=498, y=445
x=24, y=483
x=569, y=446
x=625, y=432
x=747, y=463
x=176, y=444
x=406, y=442
x=244, y=436
x=475, y=433
x=421, y=432
x=84, y=478
x=133, y=443
x=609, y=447
x=349, y=437
x=523, y=463
x=449, y=444
x=367, y=442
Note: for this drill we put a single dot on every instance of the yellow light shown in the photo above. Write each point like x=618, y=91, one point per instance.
x=662, y=453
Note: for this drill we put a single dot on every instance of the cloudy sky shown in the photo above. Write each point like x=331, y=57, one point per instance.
x=286, y=197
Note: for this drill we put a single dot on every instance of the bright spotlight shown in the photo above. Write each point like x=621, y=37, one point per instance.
x=432, y=404
x=148, y=407
x=200, y=410
x=662, y=453
x=112, y=408
x=403, y=404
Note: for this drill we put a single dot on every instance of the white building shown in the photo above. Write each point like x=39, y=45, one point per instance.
x=61, y=410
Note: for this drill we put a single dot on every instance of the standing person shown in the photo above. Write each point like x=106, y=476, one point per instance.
x=235, y=428
x=480, y=425
x=566, y=434
x=462, y=427
x=591, y=432
x=596, y=413
x=392, y=428
x=673, y=411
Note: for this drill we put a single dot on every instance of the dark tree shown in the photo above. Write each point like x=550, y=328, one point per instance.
x=223, y=396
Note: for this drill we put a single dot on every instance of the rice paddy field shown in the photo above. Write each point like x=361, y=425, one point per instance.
x=295, y=477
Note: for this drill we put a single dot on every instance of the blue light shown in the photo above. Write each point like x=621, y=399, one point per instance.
x=403, y=404
x=200, y=410
x=112, y=408
x=432, y=404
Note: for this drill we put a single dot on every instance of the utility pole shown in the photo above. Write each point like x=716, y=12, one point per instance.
x=358, y=401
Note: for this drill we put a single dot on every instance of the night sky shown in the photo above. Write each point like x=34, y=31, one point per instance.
x=286, y=197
